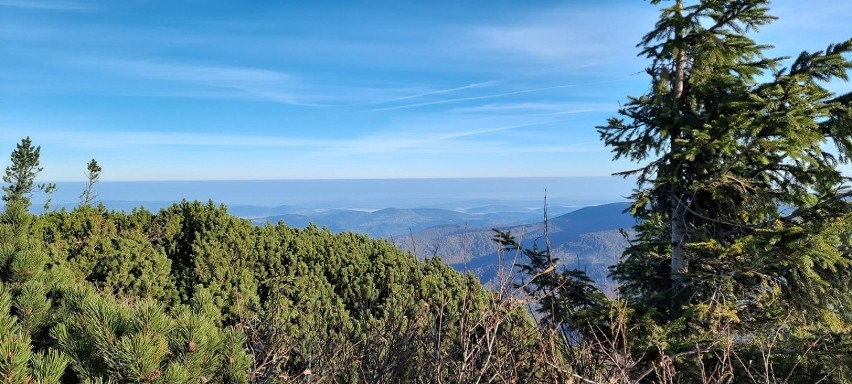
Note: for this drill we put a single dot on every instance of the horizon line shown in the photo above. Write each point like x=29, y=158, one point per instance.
x=343, y=179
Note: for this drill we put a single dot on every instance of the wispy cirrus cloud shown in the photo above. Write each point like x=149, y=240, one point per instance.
x=487, y=96
x=429, y=135
x=436, y=92
x=45, y=5
x=533, y=108
x=469, y=98
x=202, y=74
x=91, y=139
x=554, y=42
x=240, y=82
x=569, y=36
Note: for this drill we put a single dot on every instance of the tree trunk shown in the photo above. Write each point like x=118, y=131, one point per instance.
x=678, y=209
x=678, y=224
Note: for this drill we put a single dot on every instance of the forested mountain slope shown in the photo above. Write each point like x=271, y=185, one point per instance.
x=589, y=239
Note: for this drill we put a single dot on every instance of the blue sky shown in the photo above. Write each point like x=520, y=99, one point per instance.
x=207, y=90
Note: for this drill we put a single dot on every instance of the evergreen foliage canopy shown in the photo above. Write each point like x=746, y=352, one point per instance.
x=745, y=212
x=22, y=172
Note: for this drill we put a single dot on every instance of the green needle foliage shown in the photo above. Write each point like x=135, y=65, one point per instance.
x=93, y=175
x=567, y=299
x=22, y=172
x=26, y=355
x=745, y=212
x=15, y=349
x=738, y=271
x=192, y=294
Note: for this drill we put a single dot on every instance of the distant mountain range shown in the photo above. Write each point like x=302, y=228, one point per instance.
x=581, y=237
x=587, y=238
x=391, y=222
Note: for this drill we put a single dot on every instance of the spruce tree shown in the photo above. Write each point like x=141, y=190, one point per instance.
x=22, y=172
x=567, y=300
x=739, y=171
